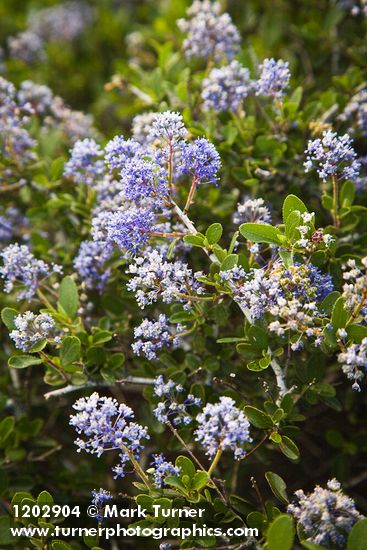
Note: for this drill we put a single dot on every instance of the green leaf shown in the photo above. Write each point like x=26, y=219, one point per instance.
x=289, y=448
x=311, y=546
x=357, y=333
x=347, y=194
x=200, y=480
x=339, y=316
x=328, y=303
x=229, y=261
x=45, y=498
x=195, y=240
x=278, y=486
x=70, y=350
x=186, y=466
x=214, y=233
x=8, y=315
x=358, y=536
x=292, y=203
x=23, y=361
x=60, y=545
x=6, y=427
x=281, y=533
x=258, y=418
x=287, y=257
x=260, y=233
x=68, y=297
x=292, y=224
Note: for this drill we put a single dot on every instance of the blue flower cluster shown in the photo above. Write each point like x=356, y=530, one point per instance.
x=99, y=499
x=31, y=329
x=106, y=426
x=326, y=515
x=252, y=211
x=222, y=426
x=85, y=164
x=332, y=156
x=161, y=469
x=354, y=362
x=155, y=277
x=90, y=264
x=210, y=34
x=171, y=409
x=274, y=78
x=21, y=270
x=201, y=161
x=152, y=336
x=226, y=87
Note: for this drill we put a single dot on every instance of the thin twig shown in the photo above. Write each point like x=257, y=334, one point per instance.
x=99, y=384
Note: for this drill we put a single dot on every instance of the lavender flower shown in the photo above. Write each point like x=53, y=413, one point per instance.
x=141, y=127
x=21, y=269
x=223, y=426
x=173, y=409
x=161, y=469
x=201, y=161
x=90, y=263
x=100, y=497
x=332, y=156
x=106, y=426
x=289, y=294
x=26, y=46
x=119, y=150
x=130, y=229
x=63, y=22
x=152, y=336
x=326, y=515
x=31, y=329
x=209, y=33
x=85, y=165
x=274, y=78
x=34, y=97
x=252, y=211
x=12, y=222
x=354, y=288
x=354, y=362
x=226, y=87
x=143, y=178
x=168, y=126
x=16, y=143
x=156, y=277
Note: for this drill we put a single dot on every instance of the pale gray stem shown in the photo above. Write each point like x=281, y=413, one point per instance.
x=99, y=384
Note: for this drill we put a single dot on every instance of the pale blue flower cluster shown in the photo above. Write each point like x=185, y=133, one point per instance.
x=85, y=164
x=274, y=78
x=252, y=211
x=332, y=156
x=90, y=263
x=119, y=150
x=35, y=98
x=354, y=362
x=291, y=295
x=223, y=426
x=63, y=22
x=168, y=127
x=16, y=143
x=161, y=469
x=173, y=409
x=26, y=46
x=225, y=88
x=99, y=500
x=326, y=515
x=143, y=179
x=152, y=336
x=201, y=161
x=155, y=277
x=12, y=223
x=210, y=34
x=107, y=425
x=22, y=271
x=31, y=329
x=356, y=111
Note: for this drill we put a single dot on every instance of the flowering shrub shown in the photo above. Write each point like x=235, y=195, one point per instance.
x=183, y=279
